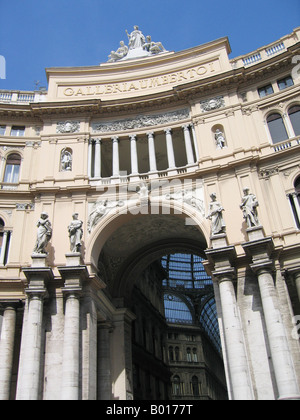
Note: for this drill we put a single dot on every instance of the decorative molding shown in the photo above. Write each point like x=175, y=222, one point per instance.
x=64, y=127
x=141, y=121
x=212, y=104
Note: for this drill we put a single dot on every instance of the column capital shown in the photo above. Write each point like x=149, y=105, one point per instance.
x=115, y=139
x=150, y=133
x=168, y=130
x=132, y=136
x=228, y=274
x=186, y=126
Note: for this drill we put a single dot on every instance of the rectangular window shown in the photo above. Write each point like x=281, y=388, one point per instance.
x=265, y=91
x=2, y=130
x=17, y=131
x=285, y=83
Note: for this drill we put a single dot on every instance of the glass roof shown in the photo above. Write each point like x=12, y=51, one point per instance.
x=188, y=294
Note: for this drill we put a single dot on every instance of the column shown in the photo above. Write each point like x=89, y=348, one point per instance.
x=90, y=154
x=239, y=380
x=116, y=161
x=188, y=144
x=70, y=366
x=152, y=155
x=297, y=205
x=261, y=250
x=282, y=361
x=29, y=376
x=97, y=169
x=195, y=142
x=134, y=155
x=3, y=248
x=170, y=148
x=234, y=340
x=7, y=340
x=73, y=277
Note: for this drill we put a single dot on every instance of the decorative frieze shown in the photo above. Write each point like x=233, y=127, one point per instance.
x=141, y=121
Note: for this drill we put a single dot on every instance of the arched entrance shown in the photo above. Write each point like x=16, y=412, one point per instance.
x=131, y=263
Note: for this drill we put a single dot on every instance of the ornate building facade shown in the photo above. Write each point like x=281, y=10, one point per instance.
x=150, y=225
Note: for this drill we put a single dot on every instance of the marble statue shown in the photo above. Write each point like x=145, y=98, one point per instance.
x=138, y=47
x=66, y=160
x=249, y=207
x=153, y=47
x=120, y=53
x=220, y=139
x=75, y=233
x=44, y=234
x=216, y=216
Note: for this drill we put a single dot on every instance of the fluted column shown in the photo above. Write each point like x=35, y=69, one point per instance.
x=116, y=159
x=195, y=142
x=134, y=155
x=97, y=169
x=7, y=339
x=170, y=149
x=151, y=150
x=297, y=282
x=188, y=144
x=297, y=205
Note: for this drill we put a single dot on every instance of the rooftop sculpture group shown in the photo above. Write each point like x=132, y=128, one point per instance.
x=139, y=46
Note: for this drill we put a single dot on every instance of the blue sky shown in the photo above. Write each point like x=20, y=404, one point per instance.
x=36, y=34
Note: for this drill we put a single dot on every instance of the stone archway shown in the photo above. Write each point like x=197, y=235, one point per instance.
x=131, y=244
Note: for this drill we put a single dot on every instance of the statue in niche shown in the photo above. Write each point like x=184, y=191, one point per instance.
x=216, y=216
x=75, y=233
x=44, y=234
x=249, y=207
x=119, y=54
x=66, y=160
x=136, y=38
x=220, y=139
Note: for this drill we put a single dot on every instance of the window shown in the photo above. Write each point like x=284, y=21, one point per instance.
x=12, y=169
x=195, y=386
x=277, y=128
x=285, y=83
x=2, y=130
x=265, y=91
x=294, y=114
x=176, y=386
x=17, y=131
x=188, y=355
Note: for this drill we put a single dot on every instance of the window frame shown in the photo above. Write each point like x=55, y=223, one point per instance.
x=12, y=169
x=264, y=89
x=274, y=131
x=17, y=131
x=285, y=81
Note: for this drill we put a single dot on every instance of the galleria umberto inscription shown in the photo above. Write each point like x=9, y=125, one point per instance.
x=132, y=86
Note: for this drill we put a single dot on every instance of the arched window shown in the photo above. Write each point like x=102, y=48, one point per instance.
x=195, y=355
x=188, y=355
x=171, y=354
x=177, y=354
x=195, y=386
x=277, y=128
x=176, y=385
x=294, y=114
x=12, y=169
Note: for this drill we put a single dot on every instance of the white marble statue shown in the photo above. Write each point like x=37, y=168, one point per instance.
x=136, y=38
x=44, y=234
x=119, y=54
x=216, y=216
x=75, y=233
x=220, y=139
x=249, y=207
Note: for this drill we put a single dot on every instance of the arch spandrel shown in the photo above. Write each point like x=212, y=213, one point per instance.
x=120, y=217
